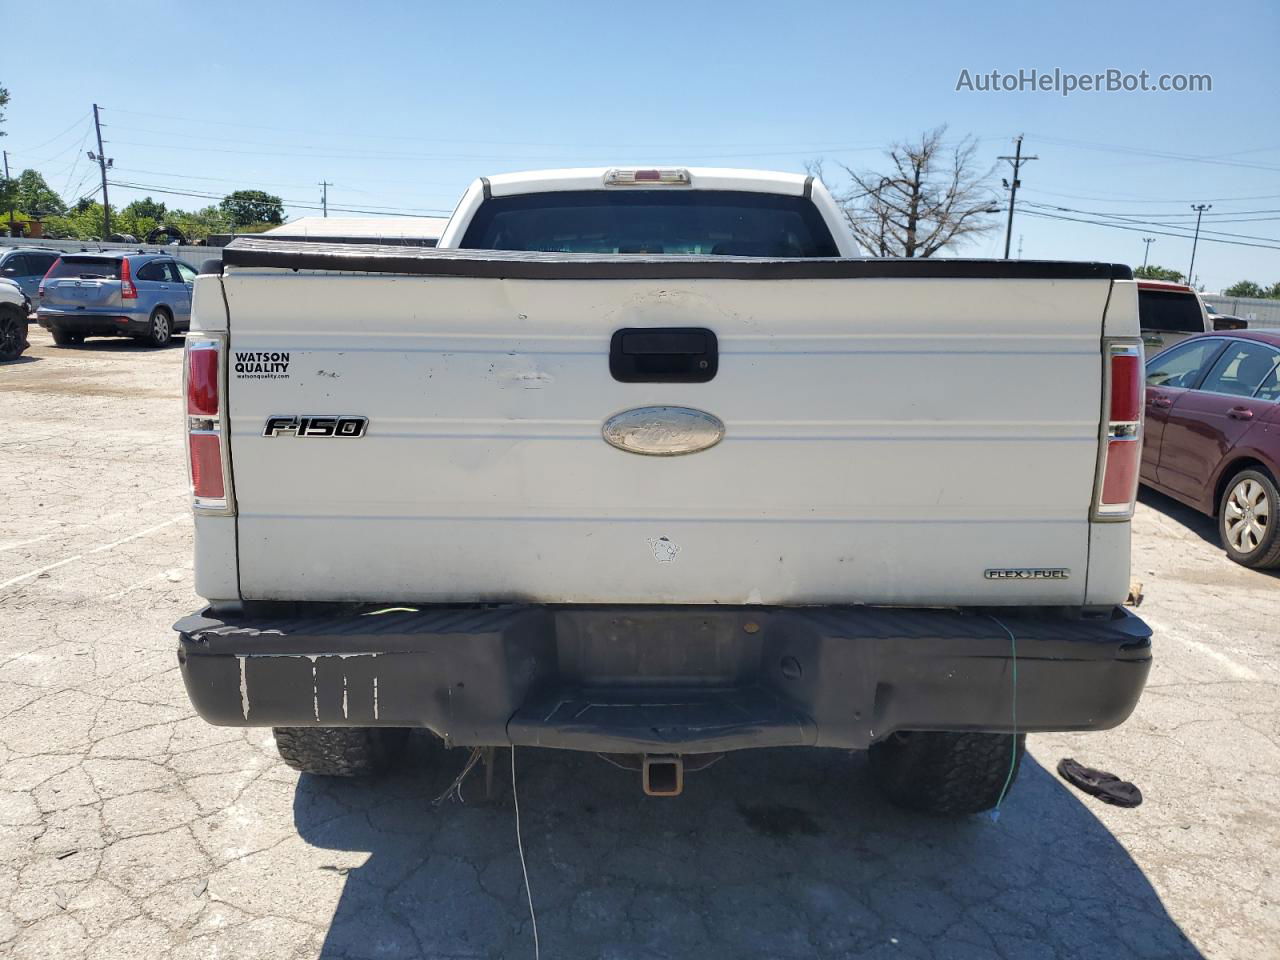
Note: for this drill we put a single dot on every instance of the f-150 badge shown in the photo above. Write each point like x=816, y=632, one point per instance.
x=315, y=425
x=663, y=431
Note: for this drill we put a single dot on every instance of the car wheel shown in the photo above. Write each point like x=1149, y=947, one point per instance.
x=161, y=331
x=947, y=774
x=13, y=334
x=1247, y=519
x=340, y=751
x=64, y=339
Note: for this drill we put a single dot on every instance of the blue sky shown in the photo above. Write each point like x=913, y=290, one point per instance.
x=400, y=105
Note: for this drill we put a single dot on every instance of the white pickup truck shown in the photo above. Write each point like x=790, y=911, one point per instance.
x=648, y=462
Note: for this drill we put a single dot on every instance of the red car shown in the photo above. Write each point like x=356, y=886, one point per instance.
x=1213, y=436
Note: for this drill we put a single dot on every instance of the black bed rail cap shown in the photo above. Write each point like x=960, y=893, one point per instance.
x=523, y=265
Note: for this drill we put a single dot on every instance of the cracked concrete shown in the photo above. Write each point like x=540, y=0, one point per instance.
x=129, y=828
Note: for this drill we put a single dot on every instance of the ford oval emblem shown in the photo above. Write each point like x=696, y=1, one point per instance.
x=663, y=431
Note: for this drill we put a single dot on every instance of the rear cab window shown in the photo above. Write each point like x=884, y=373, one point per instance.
x=1170, y=311
x=717, y=223
x=85, y=268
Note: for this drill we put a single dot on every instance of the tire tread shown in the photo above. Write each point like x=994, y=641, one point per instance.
x=947, y=774
x=340, y=751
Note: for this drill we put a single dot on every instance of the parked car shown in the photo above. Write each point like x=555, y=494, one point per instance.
x=1213, y=436
x=1169, y=313
x=146, y=295
x=15, y=308
x=1225, y=321
x=661, y=467
x=26, y=266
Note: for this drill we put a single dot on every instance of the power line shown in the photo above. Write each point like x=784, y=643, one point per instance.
x=1164, y=155
x=322, y=136
x=1156, y=223
x=1152, y=213
x=1128, y=199
x=288, y=203
x=1140, y=229
x=78, y=120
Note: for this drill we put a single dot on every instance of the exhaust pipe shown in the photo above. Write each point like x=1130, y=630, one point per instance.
x=662, y=774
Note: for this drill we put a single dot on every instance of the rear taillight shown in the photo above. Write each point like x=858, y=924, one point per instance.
x=206, y=467
x=206, y=423
x=56, y=264
x=202, y=380
x=1121, y=450
x=127, y=290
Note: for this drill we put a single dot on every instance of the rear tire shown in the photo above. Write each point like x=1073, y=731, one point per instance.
x=947, y=774
x=13, y=334
x=340, y=751
x=64, y=339
x=161, y=328
x=1249, y=520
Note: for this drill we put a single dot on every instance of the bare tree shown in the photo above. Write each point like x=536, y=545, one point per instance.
x=929, y=199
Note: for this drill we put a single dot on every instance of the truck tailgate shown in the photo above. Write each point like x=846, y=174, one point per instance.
x=888, y=439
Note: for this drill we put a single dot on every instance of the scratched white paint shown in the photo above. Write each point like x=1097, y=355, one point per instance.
x=375, y=698
x=664, y=550
x=315, y=689
x=344, y=697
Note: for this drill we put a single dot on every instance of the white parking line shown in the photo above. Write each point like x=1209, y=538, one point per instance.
x=24, y=543
x=99, y=549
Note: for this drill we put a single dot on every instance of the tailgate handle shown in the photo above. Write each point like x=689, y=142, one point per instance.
x=664, y=355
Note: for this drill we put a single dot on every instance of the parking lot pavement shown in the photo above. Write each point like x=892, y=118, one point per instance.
x=129, y=828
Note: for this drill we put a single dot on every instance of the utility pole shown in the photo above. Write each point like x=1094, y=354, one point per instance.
x=1199, y=208
x=1146, y=250
x=1017, y=160
x=324, y=196
x=6, y=181
x=103, y=164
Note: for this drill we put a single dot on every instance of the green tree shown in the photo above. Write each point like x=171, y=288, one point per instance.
x=8, y=189
x=82, y=222
x=1154, y=272
x=1273, y=291
x=245, y=207
x=35, y=197
x=198, y=224
x=146, y=209
x=1245, y=288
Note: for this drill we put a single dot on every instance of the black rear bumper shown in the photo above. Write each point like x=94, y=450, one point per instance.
x=95, y=324
x=666, y=679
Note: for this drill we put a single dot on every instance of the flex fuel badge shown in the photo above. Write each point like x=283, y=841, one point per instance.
x=252, y=365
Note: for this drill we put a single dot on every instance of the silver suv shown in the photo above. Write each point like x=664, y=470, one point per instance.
x=26, y=266
x=143, y=295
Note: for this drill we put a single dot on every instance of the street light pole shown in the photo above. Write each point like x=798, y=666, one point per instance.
x=1146, y=250
x=1199, y=208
